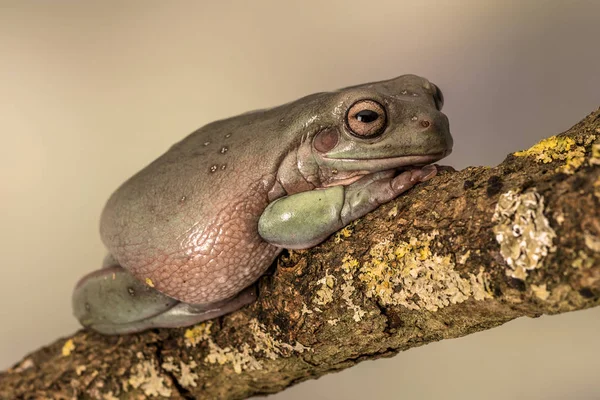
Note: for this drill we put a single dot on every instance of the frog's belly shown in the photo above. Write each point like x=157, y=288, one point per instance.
x=208, y=261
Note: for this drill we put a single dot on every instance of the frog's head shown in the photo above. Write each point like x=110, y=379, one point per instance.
x=381, y=126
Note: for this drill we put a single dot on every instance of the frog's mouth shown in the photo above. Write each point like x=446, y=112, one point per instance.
x=381, y=164
x=344, y=171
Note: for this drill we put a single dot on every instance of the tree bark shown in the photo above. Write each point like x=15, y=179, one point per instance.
x=463, y=252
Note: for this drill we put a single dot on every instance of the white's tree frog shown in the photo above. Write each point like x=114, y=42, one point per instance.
x=189, y=234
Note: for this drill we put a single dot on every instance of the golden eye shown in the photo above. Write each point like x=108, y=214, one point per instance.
x=366, y=119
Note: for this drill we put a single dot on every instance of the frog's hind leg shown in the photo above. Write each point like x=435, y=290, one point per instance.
x=111, y=301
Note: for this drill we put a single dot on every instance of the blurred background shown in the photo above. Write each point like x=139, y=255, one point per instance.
x=90, y=92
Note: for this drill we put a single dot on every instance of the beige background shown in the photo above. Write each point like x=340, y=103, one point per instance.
x=92, y=91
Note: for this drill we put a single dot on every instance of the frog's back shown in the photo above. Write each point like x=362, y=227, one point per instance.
x=187, y=223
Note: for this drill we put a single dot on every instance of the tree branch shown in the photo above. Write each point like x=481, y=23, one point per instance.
x=463, y=252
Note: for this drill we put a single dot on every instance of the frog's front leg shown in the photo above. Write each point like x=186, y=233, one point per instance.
x=305, y=219
x=111, y=301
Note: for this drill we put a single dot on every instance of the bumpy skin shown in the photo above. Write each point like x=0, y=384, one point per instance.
x=196, y=227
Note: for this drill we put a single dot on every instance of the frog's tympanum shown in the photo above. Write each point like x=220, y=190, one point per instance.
x=189, y=234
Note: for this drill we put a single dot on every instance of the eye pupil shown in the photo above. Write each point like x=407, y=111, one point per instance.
x=366, y=116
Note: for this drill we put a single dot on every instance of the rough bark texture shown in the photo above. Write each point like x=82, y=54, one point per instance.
x=464, y=252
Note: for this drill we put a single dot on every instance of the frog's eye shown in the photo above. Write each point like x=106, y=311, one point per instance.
x=366, y=119
x=438, y=96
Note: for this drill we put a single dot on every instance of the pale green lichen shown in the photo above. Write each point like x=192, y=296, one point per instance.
x=582, y=261
x=463, y=258
x=187, y=376
x=523, y=232
x=411, y=275
x=146, y=376
x=540, y=291
x=560, y=148
x=592, y=242
x=25, y=364
x=243, y=358
x=305, y=310
x=324, y=295
x=109, y=396
x=595, y=158
x=349, y=265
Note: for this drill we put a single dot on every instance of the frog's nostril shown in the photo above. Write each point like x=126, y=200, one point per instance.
x=425, y=123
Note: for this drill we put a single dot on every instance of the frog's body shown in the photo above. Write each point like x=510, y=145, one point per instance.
x=195, y=228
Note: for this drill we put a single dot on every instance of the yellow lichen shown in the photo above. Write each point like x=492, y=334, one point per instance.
x=561, y=148
x=68, y=348
x=411, y=275
x=523, y=231
x=197, y=334
x=149, y=282
x=344, y=233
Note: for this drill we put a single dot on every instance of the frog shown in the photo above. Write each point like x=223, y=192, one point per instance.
x=189, y=235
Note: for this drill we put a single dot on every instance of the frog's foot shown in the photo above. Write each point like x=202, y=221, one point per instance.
x=305, y=219
x=111, y=301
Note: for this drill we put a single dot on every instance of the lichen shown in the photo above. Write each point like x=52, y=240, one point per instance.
x=149, y=282
x=244, y=357
x=463, y=258
x=411, y=275
x=540, y=291
x=560, y=148
x=523, y=232
x=188, y=377
x=305, y=310
x=197, y=334
x=324, y=295
x=582, y=261
x=596, y=185
x=592, y=242
x=68, y=348
x=25, y=364
x=344, y=233
x=146, y=377
x=349, y=265
x=595, y=158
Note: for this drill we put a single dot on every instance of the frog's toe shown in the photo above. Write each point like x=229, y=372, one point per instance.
x=112, y=297
x=112, y=301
